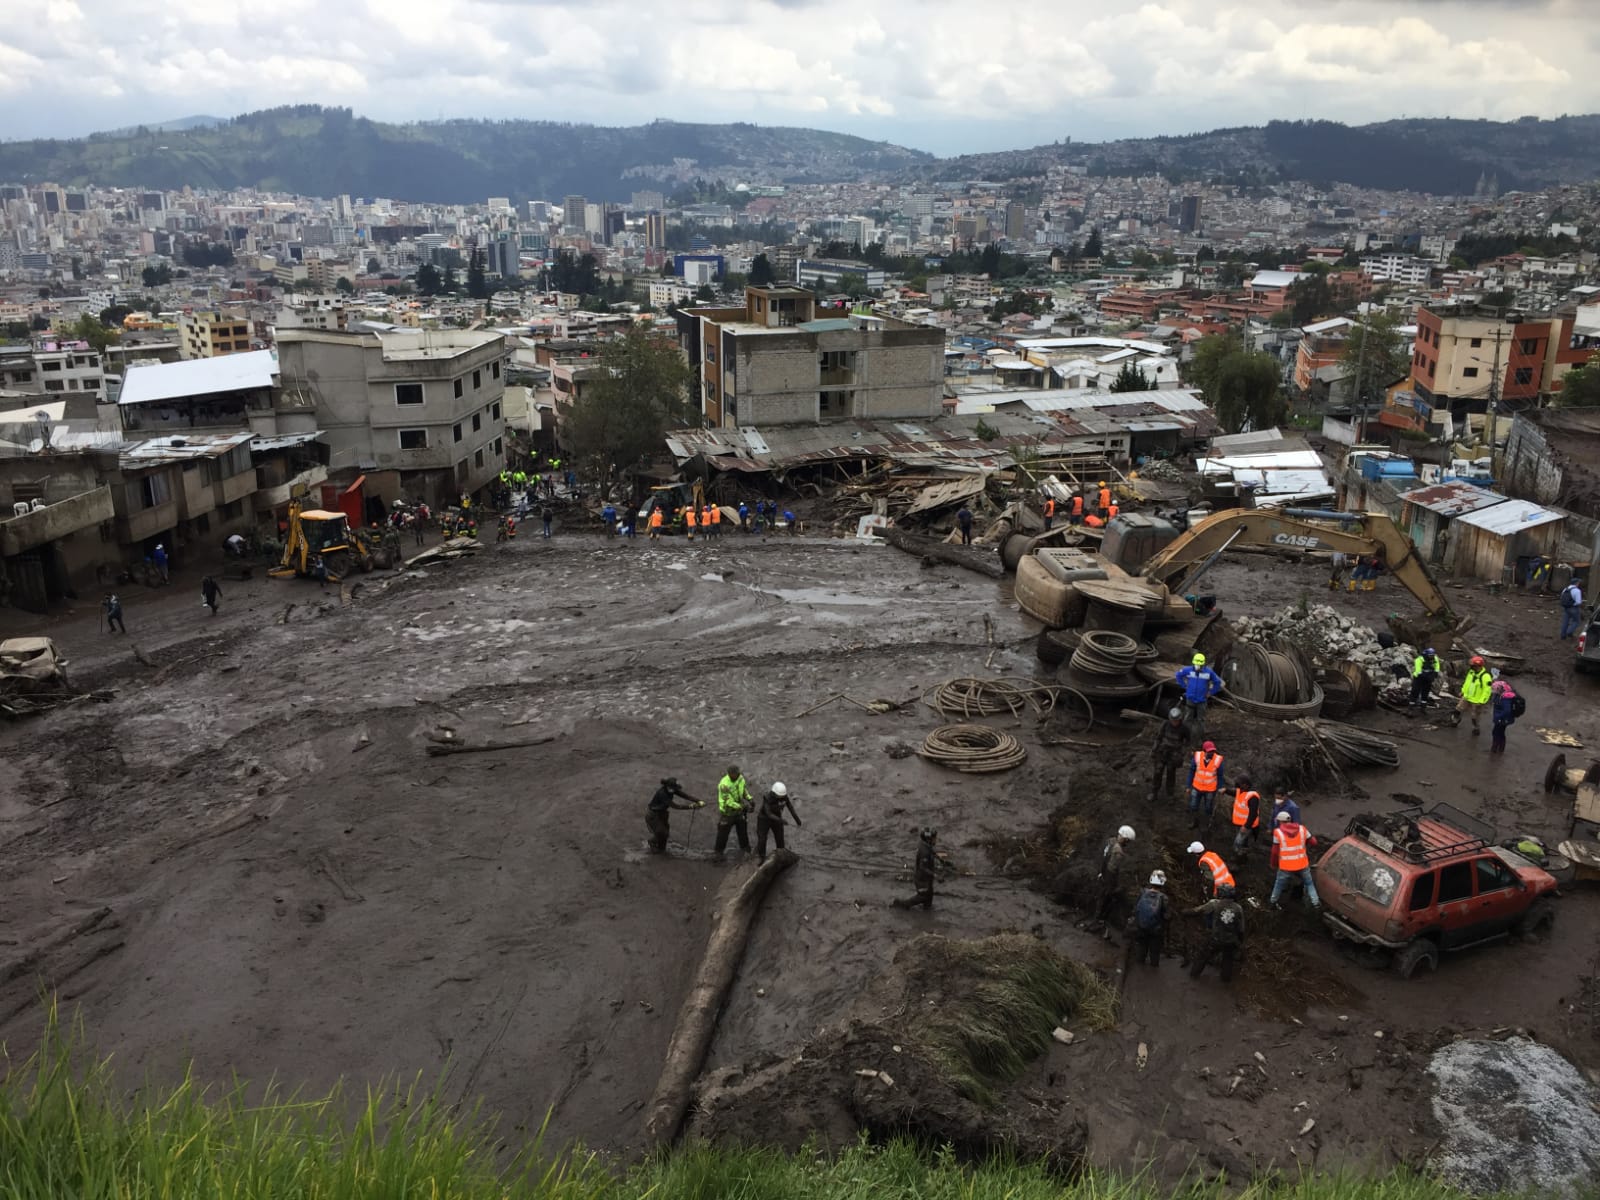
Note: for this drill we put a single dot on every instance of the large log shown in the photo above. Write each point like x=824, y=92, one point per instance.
x=697, y=1019
x=984, y=561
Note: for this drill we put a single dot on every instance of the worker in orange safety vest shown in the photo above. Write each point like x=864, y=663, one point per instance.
x=1049, y=511
x=1246, y=817
x=1205, y=781
x=1077, y=508
x=1104, y=498
x=1214, y=872
x=689, y=521
x=1291, y=850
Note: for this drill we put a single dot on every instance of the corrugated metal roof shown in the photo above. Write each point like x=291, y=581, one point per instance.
x=1282, y=460
x=1510, y=517
x=283, y=441
x=179, y=448
x=1452, y=499
x=199, y=377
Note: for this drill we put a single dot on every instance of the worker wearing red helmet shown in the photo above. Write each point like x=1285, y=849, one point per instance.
x=1475, y=694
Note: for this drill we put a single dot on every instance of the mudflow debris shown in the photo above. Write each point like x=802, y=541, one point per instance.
x=1328, y=637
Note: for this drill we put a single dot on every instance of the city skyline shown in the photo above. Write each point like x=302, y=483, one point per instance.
x=928, y=76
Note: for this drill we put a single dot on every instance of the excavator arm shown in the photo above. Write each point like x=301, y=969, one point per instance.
x=1303, y=529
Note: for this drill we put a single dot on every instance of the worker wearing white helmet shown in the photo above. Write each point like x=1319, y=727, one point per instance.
x=1110, y=877
x=1149, y=921
x=769, y=819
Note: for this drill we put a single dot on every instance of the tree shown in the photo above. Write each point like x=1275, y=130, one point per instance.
x=373, y=266
x=989, y=261
x=619, y=420
x=761, y=273
x=428, y=281
x=1386, y=357
x=40, y=324
x=704, y=295
x=1240, y=386
x=16, y=331
x=450, y=283
x=87, y=329
x=1580, y=387
x=156, y=276
x=1093, y=247
x=114, y=316
x=478, y=276
x=344, y=285
x=1130, y=379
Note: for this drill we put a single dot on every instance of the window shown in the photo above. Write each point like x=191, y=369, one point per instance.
x=1470, y=372
x=711, y=353
x=1524, y=375
x=153, y=490
x=202, y=523
x=1477, y=342
x=477, y=458
x=494, y=369
x=499, y=448
x=72, y=385
x=50, y=366
x=1422, y=892
x=1356, y=868
x=494, y=411
x=477, y=380
x=1530, y=345
x=477, y=422
x=1492, y=875
x=456, y=432
x=413, y=439
x=1455, y=882
x=24, y=377
x=1432, y=366
x=233, y=511
x=54, y=385
x=408, y=393
x=458, y=389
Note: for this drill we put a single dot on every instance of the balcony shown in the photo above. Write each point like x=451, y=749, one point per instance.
x=837, y=377
x=41, y=525
x=272, y=498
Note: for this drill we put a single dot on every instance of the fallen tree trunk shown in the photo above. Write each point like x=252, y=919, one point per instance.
x=697, y=1019
x=984, y=561
x=435, y=749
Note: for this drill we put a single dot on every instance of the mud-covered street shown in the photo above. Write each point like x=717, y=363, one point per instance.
x=248, y=859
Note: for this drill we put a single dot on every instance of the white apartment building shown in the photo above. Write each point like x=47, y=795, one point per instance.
x=1397, y=268
x=664, y=293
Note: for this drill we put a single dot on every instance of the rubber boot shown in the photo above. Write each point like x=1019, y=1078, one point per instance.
x=1370, y=585
x=1351, y=585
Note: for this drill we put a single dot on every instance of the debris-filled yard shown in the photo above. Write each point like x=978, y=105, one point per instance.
x=245, y=855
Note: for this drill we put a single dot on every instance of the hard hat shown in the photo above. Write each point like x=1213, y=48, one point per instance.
x=779, y=790
x=1226, y=891
x=929, y=833
x=1175, y=714
x=1158, y=879
x=1209, y=746
x=1126, y=833
x=1102, y=483
x=1283, y=816
x=1477, y=660
x=1196, y=848
x=1199, y=660
x=1429, y=650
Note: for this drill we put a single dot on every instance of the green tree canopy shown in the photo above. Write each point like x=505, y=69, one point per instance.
x=477, y=276
x=618, y=421
x=429, y=282
x=113, y=316
x=88, y=329
x=1379, y=351
x=1580, y=388
x=1240, y=386
x=156, y=276
x=344, y=285
x=761, y=273
x=1093, y=248
x=1130, y=379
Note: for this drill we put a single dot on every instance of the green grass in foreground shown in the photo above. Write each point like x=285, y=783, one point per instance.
x=67, y=1131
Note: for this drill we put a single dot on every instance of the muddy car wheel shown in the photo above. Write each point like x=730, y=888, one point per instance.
x=1537, y=921
x=1418, y=955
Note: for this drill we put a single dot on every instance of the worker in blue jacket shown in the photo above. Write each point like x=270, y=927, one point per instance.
x=1199, y=683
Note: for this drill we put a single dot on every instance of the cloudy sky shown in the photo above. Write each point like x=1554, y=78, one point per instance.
x=941, y=75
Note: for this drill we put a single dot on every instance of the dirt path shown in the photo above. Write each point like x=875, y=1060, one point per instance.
x=297, y=890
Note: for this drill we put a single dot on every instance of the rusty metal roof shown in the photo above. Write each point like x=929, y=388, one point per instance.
x=1452, y=499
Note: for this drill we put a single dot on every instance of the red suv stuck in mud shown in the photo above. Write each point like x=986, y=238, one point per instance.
x=1420, y=883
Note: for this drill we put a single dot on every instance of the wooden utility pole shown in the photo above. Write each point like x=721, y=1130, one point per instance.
x=1494, y=393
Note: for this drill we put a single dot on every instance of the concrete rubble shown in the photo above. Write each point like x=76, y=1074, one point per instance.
x=1328, y=638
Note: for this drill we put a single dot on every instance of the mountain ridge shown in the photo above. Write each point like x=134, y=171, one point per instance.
x=313, y=150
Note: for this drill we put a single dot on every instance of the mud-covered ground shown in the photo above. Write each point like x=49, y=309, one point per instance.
x=248, y=859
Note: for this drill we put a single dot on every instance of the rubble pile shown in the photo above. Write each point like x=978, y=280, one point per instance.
x=1328, y=638
x=1160, y=469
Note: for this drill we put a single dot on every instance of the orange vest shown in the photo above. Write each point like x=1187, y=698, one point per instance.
x=1050, y=507
x=1112, y=511
x=1205, y=771
x=1292, y=854
x=715, y=513
x=655, y=519
x=1241, y=808
x=1093, y=520
x=1212, y=861
x=1077, y=506
x=688, y=517
x=1105, y=497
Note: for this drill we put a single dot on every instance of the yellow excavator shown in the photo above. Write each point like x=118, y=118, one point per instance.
x=1180, y=563
x=315, y=532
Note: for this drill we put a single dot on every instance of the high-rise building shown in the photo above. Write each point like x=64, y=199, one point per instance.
x=655, y=229
x=613, y=222
x=645, y=201
x=1016, y=215
x=1189, y=215
x=592, y=220
x=539, y=212
x=572, y=211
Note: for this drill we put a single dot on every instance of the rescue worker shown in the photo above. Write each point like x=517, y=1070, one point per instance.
x=209, y=591
x=1205, y=781
x=1172, y=739
x=733, y=811
x=1076, y=517
x=964, y=520
x=1424, y=670
x=1476, y=692
x=319, y=572
x=159, y=557
x=547, y=515
x=690, y=520
x=1291, y=855
x=715, y=512
x=744, y=517
x=112, y=607
x=1148, y=924
x=1109, y=880
x=1283, y=802
x=1225, y=920
x=1246, y=817
x=1571, y=609
x=769, y=819
x=655, y=524
x=788, y=520
x=1504, y=715
x=1103, y=500
x=608, y=514
x=1214, y=872
x=1338, y=569
x=922, y=872
x=657, y=818
x=1049, y=512
x=1199, y=683
x=1111, y=511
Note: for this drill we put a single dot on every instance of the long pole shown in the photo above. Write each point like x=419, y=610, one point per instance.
x=1494, y=394
x=1361, y=372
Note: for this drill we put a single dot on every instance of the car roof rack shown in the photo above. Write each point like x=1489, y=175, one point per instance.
x=1423, y=835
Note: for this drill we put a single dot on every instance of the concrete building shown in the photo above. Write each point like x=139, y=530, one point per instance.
x=184, y=490
x=212, y=334
x=1189, y=215
x=425, y=403
x=325, y=311
x=1457, y=350
x=59, y=370
x=832, y=273
x=232, y=394
x=773, y=363
x=55, y=523
x=1398, y=268
x=1319, y=354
